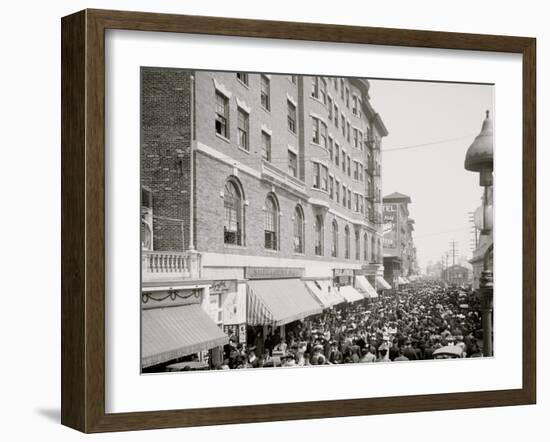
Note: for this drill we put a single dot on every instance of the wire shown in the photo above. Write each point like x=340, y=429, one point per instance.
x=284, y=159
x=442, y=232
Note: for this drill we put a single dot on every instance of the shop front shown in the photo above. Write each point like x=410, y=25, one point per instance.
x=344, y=281
x=177, y=327
x=275, y=297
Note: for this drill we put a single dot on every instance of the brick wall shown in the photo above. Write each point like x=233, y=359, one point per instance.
x=212, y=175
x=165, y=153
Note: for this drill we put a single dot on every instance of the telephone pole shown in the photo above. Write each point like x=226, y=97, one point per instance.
x=453, y=251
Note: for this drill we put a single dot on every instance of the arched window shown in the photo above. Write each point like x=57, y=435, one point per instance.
x=373, y=250
x=334, y=251
x=298, y=230
x=347, y=242
x=233, y=218
x=365, y=247
x=271, y=223
x=357, y=245
x=319, y=235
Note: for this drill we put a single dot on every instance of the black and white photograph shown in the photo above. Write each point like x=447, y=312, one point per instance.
x=294, y=220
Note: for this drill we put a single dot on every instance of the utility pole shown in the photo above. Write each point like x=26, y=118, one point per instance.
x=453, y=250
x=474, y=230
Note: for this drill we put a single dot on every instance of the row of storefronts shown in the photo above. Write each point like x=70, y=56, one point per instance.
x=192, y=321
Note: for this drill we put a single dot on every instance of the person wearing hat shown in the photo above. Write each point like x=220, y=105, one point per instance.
x=288, y=360
x=370, y=355
x=335, y=355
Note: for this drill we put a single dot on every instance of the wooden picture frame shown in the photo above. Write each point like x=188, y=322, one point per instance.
x=83, y=220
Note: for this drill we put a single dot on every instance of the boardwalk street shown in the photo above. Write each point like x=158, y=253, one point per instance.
x=422, y=321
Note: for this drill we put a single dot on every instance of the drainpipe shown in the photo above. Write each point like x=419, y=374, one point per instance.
x=192, y=167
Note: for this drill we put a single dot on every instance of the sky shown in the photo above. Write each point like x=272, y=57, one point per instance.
x=447, y=117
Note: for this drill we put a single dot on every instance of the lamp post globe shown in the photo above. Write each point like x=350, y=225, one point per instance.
x=479, y=157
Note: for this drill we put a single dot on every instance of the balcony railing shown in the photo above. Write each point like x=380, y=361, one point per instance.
x=158, y=265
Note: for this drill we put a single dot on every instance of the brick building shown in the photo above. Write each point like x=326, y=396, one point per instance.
x=254, y=181
x=399, y=250
x=457, y=275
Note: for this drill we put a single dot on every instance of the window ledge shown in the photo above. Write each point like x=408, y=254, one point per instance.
x=242, y=149
x=233, y=246
x=318, y=100
x=221, y=137
x=242, y=83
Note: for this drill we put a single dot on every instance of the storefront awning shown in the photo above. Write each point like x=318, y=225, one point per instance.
x=350, y=294
x=279, y=301
x=401, y=280
x=172, y=332
x=382, y=283
x=365, y=287
x=325, y=293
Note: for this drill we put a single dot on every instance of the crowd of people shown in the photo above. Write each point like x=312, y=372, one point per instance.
x=400, y=325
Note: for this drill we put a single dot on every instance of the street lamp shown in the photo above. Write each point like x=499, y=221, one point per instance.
x=479, y=158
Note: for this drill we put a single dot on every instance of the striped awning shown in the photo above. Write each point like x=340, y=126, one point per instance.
x=350, y=294
x=279, y=301
x=325, y=293
x=382, y=283
x=172, y=332
x=364, y=286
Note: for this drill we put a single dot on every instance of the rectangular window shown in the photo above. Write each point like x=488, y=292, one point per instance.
x=316, y=176
x=323, y=90
x=331, y=187
x=222, y=115
x=349, y=199
x=292, y=164
x=291, y=116
x=343, y=161
x=243, y=77
x=266, y=146
x=344, y=195
x=348, y=131
x=362, y=202
x=341, y=88
x=315, y=136
x=359, y=107
x=335, y=84
x=347, y=98
x=357, y=202
x=349, y=166
x=355, y=138
x=265, y=94
x=330, y=149
x=343, y=120
x=336, y=154
x=324, y=178
x=243, y=129
x=336, y=115
x=323, y=141
x=337, y=191
x=329, y=105
x=356, y=170
x=360, y=140
x=315, y=87
x=354, y=107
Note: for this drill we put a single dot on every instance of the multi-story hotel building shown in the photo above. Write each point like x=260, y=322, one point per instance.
x=399, y=250
x=261, y=200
